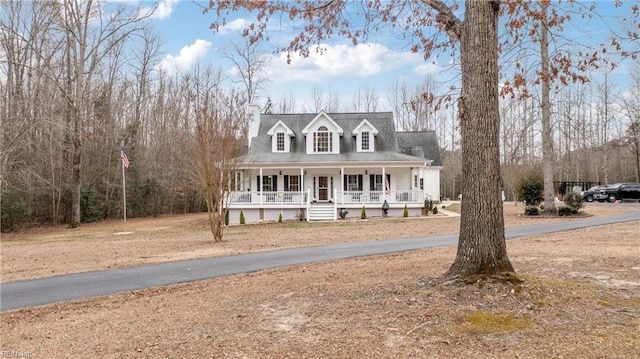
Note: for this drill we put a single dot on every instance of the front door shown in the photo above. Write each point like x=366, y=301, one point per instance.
x=323, y=188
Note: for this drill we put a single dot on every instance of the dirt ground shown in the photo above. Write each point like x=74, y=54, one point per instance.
x=579, y=296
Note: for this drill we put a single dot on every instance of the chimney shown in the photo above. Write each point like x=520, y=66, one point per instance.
x=254, y=121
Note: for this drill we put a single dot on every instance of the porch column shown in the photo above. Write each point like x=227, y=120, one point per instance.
x=341, y=185
x=302, y=191
x=411, y=181
x=424, y=183
x=384, y=184
x=260, y=186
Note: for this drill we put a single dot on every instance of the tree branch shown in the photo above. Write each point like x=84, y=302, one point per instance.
x=445, y=17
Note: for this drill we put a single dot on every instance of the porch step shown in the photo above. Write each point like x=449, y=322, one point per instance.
x=322, y=212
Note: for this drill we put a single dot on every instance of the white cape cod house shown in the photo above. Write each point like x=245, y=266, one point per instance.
x=312, y=166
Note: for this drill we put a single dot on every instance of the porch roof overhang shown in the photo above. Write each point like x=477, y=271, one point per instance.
x=350, y=164
x=359, y=158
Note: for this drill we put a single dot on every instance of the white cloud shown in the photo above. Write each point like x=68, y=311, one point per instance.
x=341, y=61
x=162, y=9
x=235, y=25
x=428, y=68
x=188, y=56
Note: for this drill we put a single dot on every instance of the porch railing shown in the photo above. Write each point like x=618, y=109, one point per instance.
x=380, y=196
x=343, y=197
x=267, y=197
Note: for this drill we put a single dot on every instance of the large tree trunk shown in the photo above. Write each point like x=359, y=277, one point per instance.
x=76, y=180
x=481, y=246
x=547, y=141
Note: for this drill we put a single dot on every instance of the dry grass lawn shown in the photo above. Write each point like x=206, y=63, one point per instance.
x=580, y=295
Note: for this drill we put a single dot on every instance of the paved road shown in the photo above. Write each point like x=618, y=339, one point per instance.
x=48, y=290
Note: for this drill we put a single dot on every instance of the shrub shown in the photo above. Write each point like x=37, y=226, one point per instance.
x=530, y=188
x=142, y=197
x=363, y=213
x=574, y=200
x=405, y=213
x=531, y=211
x=280, y=218
x=565, y=211
x=242, y=220
x=343, y=213
x=90, y=205
x=435, y=210
x=427, y=206
x=14, y=209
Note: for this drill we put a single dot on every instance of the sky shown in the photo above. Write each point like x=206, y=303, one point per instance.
x=342, y=69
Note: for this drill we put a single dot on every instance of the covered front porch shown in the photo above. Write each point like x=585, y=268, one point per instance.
x=265, y=193
x=281, y=198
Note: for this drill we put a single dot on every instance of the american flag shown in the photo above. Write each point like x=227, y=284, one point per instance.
x=125, y=158
x=386, y=185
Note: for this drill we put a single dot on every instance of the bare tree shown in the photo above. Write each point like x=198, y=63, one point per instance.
x=328, y=103
x=250, y=62
x=287, y=104
x=560, y=61
x=30, y=139
x=23, y=42
x=416, y=108
x=215, y=148
x=332, y=103
x=366, y=99
x=90, y=38
x=317, y=98
x=400, y=97
x=547, y=139
x=423, y=108
x=604, y=121
x=630, y=102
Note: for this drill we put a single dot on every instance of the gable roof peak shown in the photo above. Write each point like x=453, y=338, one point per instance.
x=320, y=115
x=273, y=128
x=362, y=124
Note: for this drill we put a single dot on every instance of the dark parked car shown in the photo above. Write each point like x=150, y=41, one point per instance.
x=593, y=193
x=621, y=191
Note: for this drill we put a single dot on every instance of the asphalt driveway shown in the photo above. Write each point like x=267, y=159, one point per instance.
x=49, y=290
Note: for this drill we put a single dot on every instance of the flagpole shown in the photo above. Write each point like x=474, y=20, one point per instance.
x=124, y=192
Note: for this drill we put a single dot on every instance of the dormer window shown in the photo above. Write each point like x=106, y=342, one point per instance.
x=364, y=134
x=280, y=137
x=365, y=140
x=280, y=142
x=322, y=135
x=323, y=140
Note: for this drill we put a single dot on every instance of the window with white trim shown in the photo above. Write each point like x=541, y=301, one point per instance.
x=280, y=141
x=377, y=183
x=323, y=140
x=365, y=140
x=294, y=184
x=352, y=182
x=267, y=183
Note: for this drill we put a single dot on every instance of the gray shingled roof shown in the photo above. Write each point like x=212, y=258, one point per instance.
x=420, y=143
x=390, y=146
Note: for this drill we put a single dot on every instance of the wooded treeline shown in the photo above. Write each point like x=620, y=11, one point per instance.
x=77, y=84
x=595, y=127
x=80, y=84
